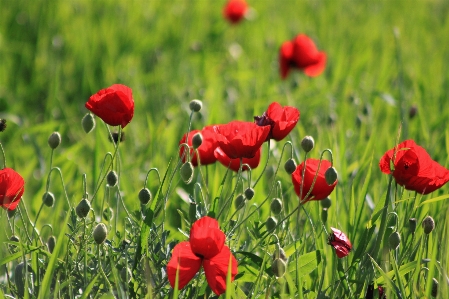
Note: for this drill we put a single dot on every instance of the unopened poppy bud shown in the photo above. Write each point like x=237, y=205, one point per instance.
x=19, y=279
x=324, y=215
x=412, y=112
x=125, y=275
x=278, y=267
x=2, y=124
x=412, y=225
x=51, y=243
x=307, y=143
x=195, y=105
x=13, y=238
x=145, y=196
x=239, y=202
x=428, y=224
x=192, y=212
x=249, y=193
x=112, y=178
x=434, y=291
x=88, y=123
x=279, y=253
x=115, y=136
x=394, y=240
x=100, y=233
x=276, y=206
x=11, y=213
x=187, y=172
x=54, y=140
x=83, y=208
x=48, y=198
x=271, y=223
x=108, y=213
x=326, y=203
x=197, y=140
x=290, y=166
x=331, y=175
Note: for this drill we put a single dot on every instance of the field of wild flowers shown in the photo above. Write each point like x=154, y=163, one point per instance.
x=232, y=149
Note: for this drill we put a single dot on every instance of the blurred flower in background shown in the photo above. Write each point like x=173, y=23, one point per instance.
x=235, y=10
x=12, y=187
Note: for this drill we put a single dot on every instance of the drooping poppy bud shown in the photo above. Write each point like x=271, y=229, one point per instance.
x=83, y=208
x=144, y=196
x=112, y=178
x=290, y=166
x=278, y=267
x=276, y=206
x=331, y=176
x=51, y=243
x=326, y=203
x=412, y=225
x=197, y=140
x=394, y=240
x=340, y=242
x=249, y=193
x=100, y=232
x=88, y=123
x=48, y=199
x=271, y=223
x=239, y=202
x=186, y=172
x=428, y=224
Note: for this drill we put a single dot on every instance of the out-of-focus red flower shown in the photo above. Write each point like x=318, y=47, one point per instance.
x=340, y=242
x=234, y=164
x=301, y=53
x=414, y=168
x=114, y=105
x=370, y=292
x=205, y=150
x=239, y=139
x=12, y=187
x=205, y=247
x=235, y=10
x=281, y=120
x=321, y=189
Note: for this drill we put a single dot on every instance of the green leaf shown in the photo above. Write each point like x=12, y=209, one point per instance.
x=435, y=199
x=308, y=262
x=389, y=282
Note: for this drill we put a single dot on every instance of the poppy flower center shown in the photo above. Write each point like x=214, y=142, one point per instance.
x=263, y=120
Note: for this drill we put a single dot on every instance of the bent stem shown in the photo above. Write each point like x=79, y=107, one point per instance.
x=265, y=166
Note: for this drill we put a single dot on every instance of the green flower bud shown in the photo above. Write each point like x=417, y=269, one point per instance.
x=290, y=166
x=276, y=206
x=428, y=224
x=195, y=105
x=249, y=193
x=434, y=291
x=197, y=140
x=19, y=279
x=145, y=196
x=187, y=172
x=279, y=253
x=83, y=208
x=394, y=240
x=326, y=203
x=112, y=178
x=88, y=123
x=125, y=275
x=331, y=176
x=307, y=143
x=278, y=267
x=51, y=243
x=412, y=225
x=324, y=215
x=54, y=140
x=239, y=202
x=100, y=233
x=48, y=199
x=271, y=223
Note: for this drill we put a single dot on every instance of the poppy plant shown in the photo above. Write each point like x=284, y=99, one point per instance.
x=235, y=10
x=414, y=168
x=239, y=139
x=205, y=247
x=114, y=105
x=12, y=187
x=301, y=53
x=321, y=189
x=234, y=164
x=205, y=150
x=340, y=242
x=280, y=119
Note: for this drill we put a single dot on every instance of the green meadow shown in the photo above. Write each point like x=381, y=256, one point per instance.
x=384, y=59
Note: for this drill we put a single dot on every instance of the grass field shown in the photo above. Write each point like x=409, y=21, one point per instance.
x=384, y=57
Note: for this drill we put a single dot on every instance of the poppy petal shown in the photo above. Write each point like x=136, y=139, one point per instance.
x=216, y=270
x=187, y=262
x=12, y=187
x=234, y=164
x=318, y=67
x=206, y=238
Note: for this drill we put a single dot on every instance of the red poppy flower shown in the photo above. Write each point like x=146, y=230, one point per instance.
x=340, y=242
x=414, y=168
x=205, y=150
x=114, y=105
x=12, y=186
x=235, y=10
x=281, y=120
x=240, y=139
x=206, y=247
x=301, y=53
x=234, y=164
x=321, y=189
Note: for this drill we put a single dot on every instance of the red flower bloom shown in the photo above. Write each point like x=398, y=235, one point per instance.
x=301, y=53
x=321, y=189
x=205, y=150
x=340, y=242
x=240, y=139
x=114, y=105
x=234, y=164
x=206, y=247
x=414, y=168
x=281, y=120
x=235, y=10
x=12, y=186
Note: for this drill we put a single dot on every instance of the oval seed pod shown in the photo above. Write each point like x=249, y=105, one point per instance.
x=48, y=199
x=290, y=166
x=112, y=178
x=249, y=193
x=83, y=208
x=88, y=123
x=145, y=196
x=100, y=232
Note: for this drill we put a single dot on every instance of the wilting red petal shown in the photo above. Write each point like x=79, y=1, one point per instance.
x=189, y=264
x=205, y=150
x=234, y=164
x=285, y=58
x=321, y=189
x=114, y=105
x=206, y=238
x=12, y=187
x=340, y=242
x=235, y=10
x=216, y=270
